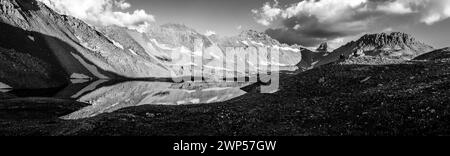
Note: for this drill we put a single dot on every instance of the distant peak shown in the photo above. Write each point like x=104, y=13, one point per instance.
x=252, y=33
x=323, y=47
x=393, y=34
x=396, y=45
x=388, y=37
x=258, y=36
x=178, y=26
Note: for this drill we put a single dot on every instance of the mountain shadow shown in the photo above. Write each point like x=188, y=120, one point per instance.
x=32, y=60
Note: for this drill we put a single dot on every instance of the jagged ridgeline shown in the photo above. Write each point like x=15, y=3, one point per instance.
x=67, y=48
x=395, y=45
x=41, y=49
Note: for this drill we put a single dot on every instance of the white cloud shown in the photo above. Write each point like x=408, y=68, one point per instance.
x=430, y=11
x=268, y=13
x=102, y=12
x=318, y=20
x=435, y=10
x=396, y=8
x=122, y=4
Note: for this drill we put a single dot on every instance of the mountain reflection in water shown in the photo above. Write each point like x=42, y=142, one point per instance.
x=106, y=97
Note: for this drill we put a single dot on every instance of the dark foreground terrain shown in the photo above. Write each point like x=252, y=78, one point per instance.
x=401, y=98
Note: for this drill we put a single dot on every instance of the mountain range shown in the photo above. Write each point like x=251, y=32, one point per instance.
x=60, y=76
x=40, y=48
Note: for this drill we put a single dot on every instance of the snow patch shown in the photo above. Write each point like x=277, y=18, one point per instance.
x=4, y=86
x=273, y=63
x=190, y=91
x=215, y=89
x=213, y=99
x=217, y=68
x=245, y=42
x=78, y=81
x=195, y=101
x=290, y=49
x=185, y=50
x=161, y=46
x=117, y=44
x=198, y=53
x=92, y=68
x=286, y=48
x=181, y=102
x=79, y=76
x=314, y=64
x=132, y=51
x=31, y=38
x=185, y=64
x=84, y=44
x=79, y=38
x=5, y=90
x=264, y=63
x=215, y=55
x=257, y=43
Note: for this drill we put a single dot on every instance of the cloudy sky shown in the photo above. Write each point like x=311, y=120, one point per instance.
x=304, y=22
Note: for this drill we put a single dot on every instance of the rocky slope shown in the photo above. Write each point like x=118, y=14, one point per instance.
x=17, y=68
x=406, y=99
x=175, y=46
x=435, y=55
x=394, y=46
x=69, y=47
x=291, y=56
x=187, y=52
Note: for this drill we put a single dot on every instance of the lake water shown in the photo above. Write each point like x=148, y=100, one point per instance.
x=106, y=96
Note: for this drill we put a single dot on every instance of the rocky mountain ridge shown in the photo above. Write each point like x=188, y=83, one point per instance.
x=73, y=49
x=395, y=45
x=386, y=46
x=70, y=47
x=177, y=45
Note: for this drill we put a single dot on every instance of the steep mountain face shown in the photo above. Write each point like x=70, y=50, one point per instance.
x=47, y=49
x=69, y=47
x=393, y=45
x=311, y=58
x=289, y=57
x=440, y=54
x=172, y=45
x=17, y=68
x=187, y=52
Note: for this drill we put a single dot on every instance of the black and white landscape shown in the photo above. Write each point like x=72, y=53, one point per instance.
x=118, y=72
